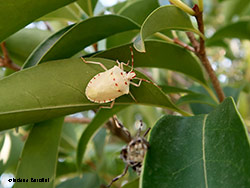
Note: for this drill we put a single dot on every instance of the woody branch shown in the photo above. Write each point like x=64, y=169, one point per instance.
x=200, y=51
x=5, y=61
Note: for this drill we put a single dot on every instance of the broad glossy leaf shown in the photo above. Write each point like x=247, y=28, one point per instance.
x=88, y=6
x=199, y=107
x=239, y=29
x=70, y=12
x=121, y=38
x=132, y=184
x=159, y=55
x=39, y=52
x=99, y=142
x=57, y=88
x=138, y=10
x=86, y=33
x=172, y=89
x=196, y=98
x=20, y=48
x=10, y=151
x=16, y=14
x=100, y=118
x=88, y=180
x=210, y=151
x=163, y=18
x=69, y=139
x=39, y=156
x=234, y=8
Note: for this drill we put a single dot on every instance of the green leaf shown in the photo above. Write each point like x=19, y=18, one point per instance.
x=163, y=18
x=88, y=180
x=99, y=142
x=139, y=10
x=121, y=38
x=196, y=98
x=38, y=53
x=10, y=152
x=160, y=55
x=20, y=48
x=240, y=29
x=39, y=156
x=132, y=184
x=57, y=88
x=234, y=7
x=69, y=137
x=70, y=12
x=17, y=14
x=199, y=107
x=172, y=89
x=88, y=6
x=86, y=33
x=200, y=151
x=100, y=118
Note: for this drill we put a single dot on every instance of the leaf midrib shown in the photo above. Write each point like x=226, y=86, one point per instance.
x=203, y=150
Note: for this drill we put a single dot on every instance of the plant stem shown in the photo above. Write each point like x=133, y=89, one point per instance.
x=5, y=61
x=179, y=42
x=201, y=53
x=183, y=6
x=200, y=3
x=164, y=37
x=77, y=120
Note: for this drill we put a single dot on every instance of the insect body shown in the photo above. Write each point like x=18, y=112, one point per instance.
x=133, y=154
x=107, y=86
x=110, y=84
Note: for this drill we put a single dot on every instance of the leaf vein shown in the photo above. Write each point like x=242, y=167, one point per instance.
x=203, y=151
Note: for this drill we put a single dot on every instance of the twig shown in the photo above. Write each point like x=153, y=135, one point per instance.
x=201, y=53
x=77, y=120
x=49, y=28
x=179, y=42
x=117, y=130
x=5, y=61
x=95, y=46
x=193, y=41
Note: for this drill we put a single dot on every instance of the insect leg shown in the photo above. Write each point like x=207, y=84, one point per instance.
x=137, y=85
x=132, y=57
x=121, y=126
x=132, y=97
x=109, y=107
x=120, y=65
x=92, y=62
x=147, y=131
x=142, y=79
x=118, y=177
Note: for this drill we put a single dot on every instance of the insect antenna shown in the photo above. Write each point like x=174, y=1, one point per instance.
x=132, y=57
x=147, y=131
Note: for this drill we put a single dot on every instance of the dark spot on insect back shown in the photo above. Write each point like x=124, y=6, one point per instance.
x=121, y=73
x=126, y=83
x=119, y=90
x=116, y=84
x=114, y=79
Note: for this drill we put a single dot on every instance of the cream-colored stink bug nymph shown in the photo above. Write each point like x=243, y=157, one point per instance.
x=108, y=85
x=133, y=153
